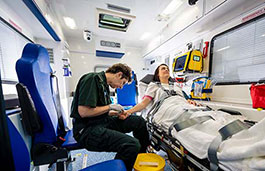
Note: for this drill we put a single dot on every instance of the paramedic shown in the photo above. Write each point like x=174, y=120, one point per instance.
x=153, y=94
x=98, y=124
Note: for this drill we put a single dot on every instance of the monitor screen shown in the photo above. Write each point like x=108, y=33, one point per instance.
x=180, y=63
x=196, y=58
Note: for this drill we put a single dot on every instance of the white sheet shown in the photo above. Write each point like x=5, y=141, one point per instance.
x=243, y=151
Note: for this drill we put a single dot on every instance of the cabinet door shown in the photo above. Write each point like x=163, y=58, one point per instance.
x=211, y=4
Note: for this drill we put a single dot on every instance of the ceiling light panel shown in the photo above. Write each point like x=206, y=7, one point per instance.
x=69, y=22
x=112, y=22
x=145, y=36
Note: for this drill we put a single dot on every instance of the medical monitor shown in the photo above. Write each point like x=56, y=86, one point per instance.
x=188, y=62
x=180, y=63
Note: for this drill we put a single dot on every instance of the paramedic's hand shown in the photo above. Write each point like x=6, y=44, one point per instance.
x=124, y=115
x=116, y=107
x=113, y=113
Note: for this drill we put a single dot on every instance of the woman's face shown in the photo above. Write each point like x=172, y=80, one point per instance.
x=163, y=72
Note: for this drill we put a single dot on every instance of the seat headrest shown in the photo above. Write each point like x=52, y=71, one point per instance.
x=150, y=77
x=147, y=79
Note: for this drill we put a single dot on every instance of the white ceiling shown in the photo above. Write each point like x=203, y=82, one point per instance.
x=84, y=13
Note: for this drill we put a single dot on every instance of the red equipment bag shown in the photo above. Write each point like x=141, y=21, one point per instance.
x=257, y=92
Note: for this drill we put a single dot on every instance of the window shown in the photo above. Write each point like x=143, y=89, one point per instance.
x=238, y=54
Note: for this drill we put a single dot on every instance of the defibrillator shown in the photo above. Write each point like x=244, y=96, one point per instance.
x=201, y=88
x=188, y=62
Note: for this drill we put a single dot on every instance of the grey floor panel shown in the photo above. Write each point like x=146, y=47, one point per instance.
x=84, y=158
x=91, y=158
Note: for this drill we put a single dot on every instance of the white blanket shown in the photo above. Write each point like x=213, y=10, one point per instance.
x=245, y=149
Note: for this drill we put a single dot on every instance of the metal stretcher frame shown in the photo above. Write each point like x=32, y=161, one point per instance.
x=179, y=157
x=167, y=143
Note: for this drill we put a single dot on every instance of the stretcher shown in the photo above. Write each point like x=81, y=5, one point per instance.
x=199, y=138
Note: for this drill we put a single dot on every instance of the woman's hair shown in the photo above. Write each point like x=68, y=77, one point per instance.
x=156, y=75
x=126, y=71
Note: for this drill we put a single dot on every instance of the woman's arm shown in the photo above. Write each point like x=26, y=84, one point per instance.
x=137, y=108
x=140, y=106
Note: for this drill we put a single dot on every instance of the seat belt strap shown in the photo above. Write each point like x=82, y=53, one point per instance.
x=225, y=133
x=169, y=92
x=190, y=122
x=183, y=117
x=158, y=104
x=57, y=103
x=232, y=128
x=155, y=107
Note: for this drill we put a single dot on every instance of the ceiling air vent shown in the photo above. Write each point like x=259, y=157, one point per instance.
x=109, y=48
x=110, y=44
x=118, y=8
x=50, y=52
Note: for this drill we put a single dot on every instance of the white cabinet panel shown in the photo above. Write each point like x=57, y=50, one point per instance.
x=11, y=46
x=211, y=4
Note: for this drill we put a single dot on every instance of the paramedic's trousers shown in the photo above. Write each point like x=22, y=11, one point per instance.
x=109, y=136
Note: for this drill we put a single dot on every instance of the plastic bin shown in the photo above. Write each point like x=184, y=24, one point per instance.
x=149, y=162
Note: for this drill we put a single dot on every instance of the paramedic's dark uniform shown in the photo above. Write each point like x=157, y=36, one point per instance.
x=103, y=132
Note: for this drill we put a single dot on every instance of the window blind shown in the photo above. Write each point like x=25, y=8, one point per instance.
x=238, y=55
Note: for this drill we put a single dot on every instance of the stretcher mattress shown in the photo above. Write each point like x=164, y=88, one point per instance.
x=243, y=151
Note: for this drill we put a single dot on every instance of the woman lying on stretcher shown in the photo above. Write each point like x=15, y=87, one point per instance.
x=241, y=151
x=154, y=91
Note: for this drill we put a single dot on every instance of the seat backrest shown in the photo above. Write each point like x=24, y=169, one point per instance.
x=127, y=96
x=143, y=84
x=33, y=70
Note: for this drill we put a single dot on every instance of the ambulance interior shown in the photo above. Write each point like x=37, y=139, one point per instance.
x=215, y=53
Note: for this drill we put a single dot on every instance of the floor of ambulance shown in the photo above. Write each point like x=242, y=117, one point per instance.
x=84, y=158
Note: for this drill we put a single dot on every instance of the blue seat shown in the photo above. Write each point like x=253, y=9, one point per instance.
x=21, y=154
x=127, y=96
x=34, y=71
x=20, y=151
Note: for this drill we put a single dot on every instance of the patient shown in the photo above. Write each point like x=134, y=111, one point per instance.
x=243, y=151
x=155, y=91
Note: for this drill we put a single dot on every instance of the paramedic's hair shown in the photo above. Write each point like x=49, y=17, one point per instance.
x=126, y=71
x=156, y=77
